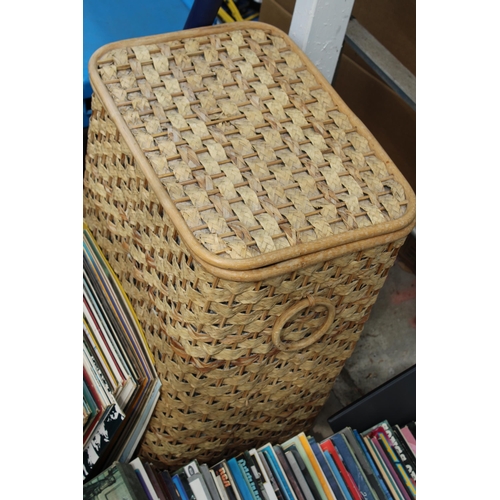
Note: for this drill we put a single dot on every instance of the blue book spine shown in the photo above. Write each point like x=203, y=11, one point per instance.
x=380, y=479
x=278, y=473
x=326, y=470
x=180, y=488
x=352, y=466
x=337, y=475
x=239, y=479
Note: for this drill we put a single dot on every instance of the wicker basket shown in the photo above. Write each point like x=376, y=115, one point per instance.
x=252, y=219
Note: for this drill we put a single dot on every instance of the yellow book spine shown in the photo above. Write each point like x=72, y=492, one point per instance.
x=317, y=468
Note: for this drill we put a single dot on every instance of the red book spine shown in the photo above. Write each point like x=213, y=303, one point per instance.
x=328, y=446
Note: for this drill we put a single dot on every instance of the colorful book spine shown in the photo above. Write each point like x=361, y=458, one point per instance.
x=338, y=476
x=327, y=445
x=398, y=466
x=352, y=466
x=326, y=470
x=362, y=445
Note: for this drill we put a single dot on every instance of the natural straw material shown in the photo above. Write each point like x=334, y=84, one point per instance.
x=252, y=219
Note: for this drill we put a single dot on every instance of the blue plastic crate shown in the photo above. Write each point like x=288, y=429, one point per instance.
x=106, y=21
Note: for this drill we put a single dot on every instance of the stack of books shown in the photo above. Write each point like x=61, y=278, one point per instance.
x=376, y=464
x=120, y=383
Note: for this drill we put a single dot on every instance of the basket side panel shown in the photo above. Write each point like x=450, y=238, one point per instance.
x=226, y=386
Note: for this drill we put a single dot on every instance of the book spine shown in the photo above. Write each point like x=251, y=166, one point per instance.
x=210, y=482
x=246, y=470
x=180, y=487
x=328, y=445
x=272, y=478
x=398, y=449
x=316, y=467
x=398, y=466
x=174, y=493
x=239, y=479
x=388, y=464
x=372, y=465
x=222, y=470
x=352, y=466
x=288, y=472
x=326, y=470
x=336, y=472
x=262, y=475
x=283, y=482
x=154, y=481
x=384, y=471
x=407, y=450
x=362, y=461
x=196, y=482
x=220, y=485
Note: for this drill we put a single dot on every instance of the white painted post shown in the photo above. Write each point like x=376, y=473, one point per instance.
x=318, y=28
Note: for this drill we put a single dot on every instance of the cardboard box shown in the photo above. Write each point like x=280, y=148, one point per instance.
x=391, y=22
x=277, y=13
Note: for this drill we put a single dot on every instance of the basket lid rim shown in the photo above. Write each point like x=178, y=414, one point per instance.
x=365, y=237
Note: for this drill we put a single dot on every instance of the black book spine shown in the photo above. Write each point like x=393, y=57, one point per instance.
x=220, y=470
x=407, y=458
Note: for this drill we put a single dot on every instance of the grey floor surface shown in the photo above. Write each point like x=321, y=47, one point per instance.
x=386, y=348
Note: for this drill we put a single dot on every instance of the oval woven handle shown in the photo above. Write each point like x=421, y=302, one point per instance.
x=309, y=301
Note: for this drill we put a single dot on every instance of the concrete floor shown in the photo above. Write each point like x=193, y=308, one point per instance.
x=386, y=348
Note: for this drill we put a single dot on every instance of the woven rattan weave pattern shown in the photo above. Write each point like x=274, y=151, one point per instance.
x=225, y=384
x=250, y=147
x=251, y=223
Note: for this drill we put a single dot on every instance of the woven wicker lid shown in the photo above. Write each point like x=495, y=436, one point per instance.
x=254, y=156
